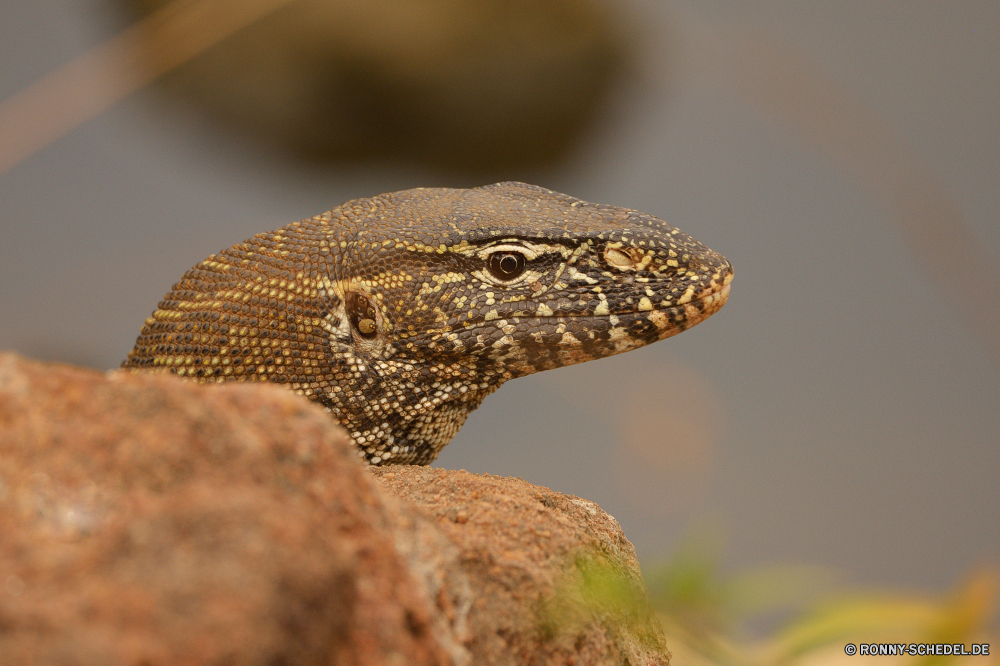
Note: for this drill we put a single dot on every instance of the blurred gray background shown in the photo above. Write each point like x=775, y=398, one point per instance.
x=841, y=410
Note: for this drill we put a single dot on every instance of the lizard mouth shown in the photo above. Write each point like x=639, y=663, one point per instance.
x=645, y=324
x=708, y=303
x=712, y=301
x=712, y=297
x=669, y=320
x=705, y=295
x=567, y=339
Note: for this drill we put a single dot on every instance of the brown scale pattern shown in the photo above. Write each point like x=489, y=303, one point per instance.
x=400, y=313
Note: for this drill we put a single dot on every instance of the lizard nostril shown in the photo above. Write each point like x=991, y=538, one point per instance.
x=618, y=259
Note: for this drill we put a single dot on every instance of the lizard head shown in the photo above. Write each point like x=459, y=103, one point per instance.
x=510, y=279
x=401, y=312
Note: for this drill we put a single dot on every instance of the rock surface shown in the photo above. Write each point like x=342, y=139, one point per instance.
x=145, y=520
x=148, y=521
x=554, y=578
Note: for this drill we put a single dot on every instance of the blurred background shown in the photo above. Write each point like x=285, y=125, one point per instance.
x=842, y=411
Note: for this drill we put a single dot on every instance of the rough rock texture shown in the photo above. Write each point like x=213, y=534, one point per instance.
x=148, y=521
x=554, y=578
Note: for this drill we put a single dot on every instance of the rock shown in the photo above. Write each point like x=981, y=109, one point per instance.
x=555, y=580
x=146, y=520
x=149, y=521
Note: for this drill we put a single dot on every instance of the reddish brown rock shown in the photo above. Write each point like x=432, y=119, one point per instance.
x=148, y=521
x=554, y=579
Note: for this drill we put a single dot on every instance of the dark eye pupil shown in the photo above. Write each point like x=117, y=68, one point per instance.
x=506, y=265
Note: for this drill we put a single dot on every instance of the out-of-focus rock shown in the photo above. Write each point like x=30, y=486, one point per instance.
x=486, y=86
x=554, y=579
x=144, y=520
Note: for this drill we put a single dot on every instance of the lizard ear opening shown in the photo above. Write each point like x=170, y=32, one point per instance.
x=363, y=315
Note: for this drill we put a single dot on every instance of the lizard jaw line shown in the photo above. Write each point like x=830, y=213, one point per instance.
x=720, y=295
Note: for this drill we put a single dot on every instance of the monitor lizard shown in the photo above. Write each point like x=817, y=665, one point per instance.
x=399, y=313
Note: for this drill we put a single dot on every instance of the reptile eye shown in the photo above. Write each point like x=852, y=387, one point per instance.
x=506, y=265
x=361, y=312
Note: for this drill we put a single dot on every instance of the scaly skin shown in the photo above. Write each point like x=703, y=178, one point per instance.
x=400, y=313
